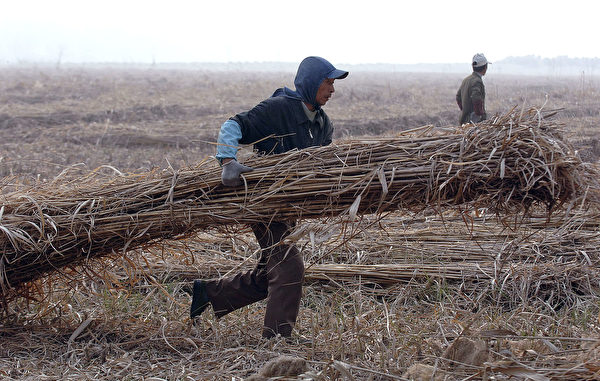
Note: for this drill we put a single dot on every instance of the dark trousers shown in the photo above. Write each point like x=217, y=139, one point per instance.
x=278, y=276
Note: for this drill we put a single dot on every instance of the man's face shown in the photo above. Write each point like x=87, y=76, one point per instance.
x=325, y=91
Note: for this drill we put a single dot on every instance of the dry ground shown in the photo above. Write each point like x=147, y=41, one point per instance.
x=127, y=318
x=140, y=119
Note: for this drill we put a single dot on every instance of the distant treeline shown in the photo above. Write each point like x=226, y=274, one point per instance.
x=524, y=65
x=561, y=65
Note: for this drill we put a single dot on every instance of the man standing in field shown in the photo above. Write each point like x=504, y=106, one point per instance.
x=287, y=120
x=471, y=94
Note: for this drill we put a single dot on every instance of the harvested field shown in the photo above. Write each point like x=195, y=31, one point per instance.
x=387, y=296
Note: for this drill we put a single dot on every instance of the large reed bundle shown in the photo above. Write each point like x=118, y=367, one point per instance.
x=507, y=164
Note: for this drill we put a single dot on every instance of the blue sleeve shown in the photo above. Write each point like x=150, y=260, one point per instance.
x=228, y=140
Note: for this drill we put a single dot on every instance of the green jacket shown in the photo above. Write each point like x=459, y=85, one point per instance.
x=469, y=95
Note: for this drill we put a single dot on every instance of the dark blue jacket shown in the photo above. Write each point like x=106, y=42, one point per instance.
x=283, y=120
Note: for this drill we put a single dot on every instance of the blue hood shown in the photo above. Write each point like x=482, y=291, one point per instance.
x=311, y=72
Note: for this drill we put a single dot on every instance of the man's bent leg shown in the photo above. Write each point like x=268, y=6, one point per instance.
x=285, y=274
x=229, y=294
x=278, y=276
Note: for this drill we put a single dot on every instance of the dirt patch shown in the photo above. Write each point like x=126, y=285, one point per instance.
x=129, y=115
x=390, y=125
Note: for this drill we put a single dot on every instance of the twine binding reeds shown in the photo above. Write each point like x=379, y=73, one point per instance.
x=507, y=165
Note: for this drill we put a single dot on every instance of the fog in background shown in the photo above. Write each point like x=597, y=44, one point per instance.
x=527, y=37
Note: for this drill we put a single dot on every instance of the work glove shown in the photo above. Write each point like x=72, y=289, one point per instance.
x=230, y=176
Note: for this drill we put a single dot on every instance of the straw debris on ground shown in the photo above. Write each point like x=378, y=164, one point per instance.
x=392, y=299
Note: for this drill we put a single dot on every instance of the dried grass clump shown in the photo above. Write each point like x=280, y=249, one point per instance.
x=507, y=164
x=279, y=368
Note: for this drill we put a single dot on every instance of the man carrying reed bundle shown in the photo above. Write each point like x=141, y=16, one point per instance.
x=470, y=97
x=287, y=120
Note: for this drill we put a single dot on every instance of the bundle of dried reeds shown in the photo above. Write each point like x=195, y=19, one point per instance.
x=551, y=260
x=507, y=164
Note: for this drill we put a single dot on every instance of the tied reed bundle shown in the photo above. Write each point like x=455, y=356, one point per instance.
x=554, y=260
x=508, y=164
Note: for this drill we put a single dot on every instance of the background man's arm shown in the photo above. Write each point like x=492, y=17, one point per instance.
x=477, y=97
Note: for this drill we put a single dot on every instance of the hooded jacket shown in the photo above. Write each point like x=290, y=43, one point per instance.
x=279, y=124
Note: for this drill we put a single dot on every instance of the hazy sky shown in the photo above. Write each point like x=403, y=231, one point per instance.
x=344, y=31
